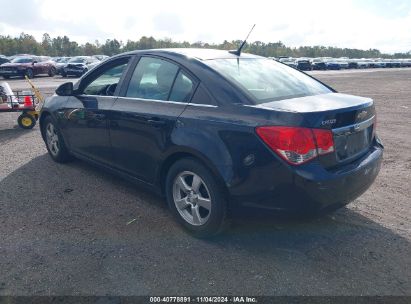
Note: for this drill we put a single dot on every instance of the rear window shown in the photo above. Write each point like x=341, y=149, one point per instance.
x=266, y=80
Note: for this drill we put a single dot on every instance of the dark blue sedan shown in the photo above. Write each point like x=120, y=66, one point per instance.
x=214, y=131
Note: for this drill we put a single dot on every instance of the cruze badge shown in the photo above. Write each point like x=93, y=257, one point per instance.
x=328, y=122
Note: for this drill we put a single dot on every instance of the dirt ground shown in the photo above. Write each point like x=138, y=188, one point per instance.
x=64, y=231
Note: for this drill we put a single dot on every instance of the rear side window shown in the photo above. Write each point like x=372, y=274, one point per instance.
x=182, y=89
x=153, y=79
x=201, y=96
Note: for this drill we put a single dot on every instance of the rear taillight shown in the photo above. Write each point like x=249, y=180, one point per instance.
x=324, y=140
x=297, y=145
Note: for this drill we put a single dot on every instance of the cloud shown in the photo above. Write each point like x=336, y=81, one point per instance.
x=168, y=23
x=15, y=13
x=382, y=24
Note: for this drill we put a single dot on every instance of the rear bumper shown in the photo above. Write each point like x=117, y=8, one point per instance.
x=311, y=188
x=325, y=189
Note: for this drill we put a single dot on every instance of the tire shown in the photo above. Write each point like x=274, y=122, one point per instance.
x=202, y=210
x=52, y=72
x=63, y=74
x=29, y=73
x=6, y=77
x=26, y=121
x=54, y=141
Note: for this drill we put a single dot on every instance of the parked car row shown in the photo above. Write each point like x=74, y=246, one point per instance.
x=327, y=63
x=22, y=65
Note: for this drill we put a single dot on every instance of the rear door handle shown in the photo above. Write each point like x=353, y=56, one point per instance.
x=156, y=122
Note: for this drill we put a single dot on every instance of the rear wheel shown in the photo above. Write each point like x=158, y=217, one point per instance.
x=6, y=77
x=64, y=74
x=195, y=198
x=54, y=141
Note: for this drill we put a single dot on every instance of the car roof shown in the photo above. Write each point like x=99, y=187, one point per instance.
x=25, y=57
x=197, y=53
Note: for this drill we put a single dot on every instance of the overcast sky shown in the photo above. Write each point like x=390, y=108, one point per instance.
x=382, y=24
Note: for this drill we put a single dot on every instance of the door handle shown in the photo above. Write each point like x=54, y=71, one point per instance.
x=99, y=117
x=156, y=122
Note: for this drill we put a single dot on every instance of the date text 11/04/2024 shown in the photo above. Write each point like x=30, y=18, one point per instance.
x=233, y=299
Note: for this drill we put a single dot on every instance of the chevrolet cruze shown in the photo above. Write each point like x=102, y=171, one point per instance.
x=214, y=130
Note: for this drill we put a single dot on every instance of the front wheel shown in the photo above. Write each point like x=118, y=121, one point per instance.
x=52, y=72
x=195, y=198
x=54, y=141
x=26, y=121
x=30, y=73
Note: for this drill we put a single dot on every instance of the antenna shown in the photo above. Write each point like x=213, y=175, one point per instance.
x=238, y=52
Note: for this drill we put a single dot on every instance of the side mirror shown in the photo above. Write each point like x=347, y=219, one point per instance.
x=34, y=62
x=66, y=89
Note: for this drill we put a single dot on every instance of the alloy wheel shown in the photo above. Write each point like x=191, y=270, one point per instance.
x=192, y=198
x=52, y=139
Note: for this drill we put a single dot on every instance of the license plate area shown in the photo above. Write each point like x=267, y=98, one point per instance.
x=354, y=140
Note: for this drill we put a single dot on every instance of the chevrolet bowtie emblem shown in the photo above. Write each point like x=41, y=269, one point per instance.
x=362, y=115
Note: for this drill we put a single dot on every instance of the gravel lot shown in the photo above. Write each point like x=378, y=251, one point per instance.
x=64, y=227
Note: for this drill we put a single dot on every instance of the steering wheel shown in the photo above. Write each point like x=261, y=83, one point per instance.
x=110, y=89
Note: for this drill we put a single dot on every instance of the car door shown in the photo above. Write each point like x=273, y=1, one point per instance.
x=35, y=66
x=86, y=114
x=145, y=114
x=39, y=67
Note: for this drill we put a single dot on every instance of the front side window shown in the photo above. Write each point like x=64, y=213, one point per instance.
x=106, y=82
x=266, y=80
x=152, y=79
x=22, y=60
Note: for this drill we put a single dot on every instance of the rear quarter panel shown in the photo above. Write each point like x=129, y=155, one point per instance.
x=226, y=137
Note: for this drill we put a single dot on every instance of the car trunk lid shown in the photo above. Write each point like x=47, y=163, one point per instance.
x=350, y=118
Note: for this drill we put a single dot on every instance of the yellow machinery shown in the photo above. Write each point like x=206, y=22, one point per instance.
x=28, y=104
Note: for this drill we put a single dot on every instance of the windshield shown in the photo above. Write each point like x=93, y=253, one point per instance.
x=22, y=60
x=266, y=80
x=77, y=60
x=62, y=60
